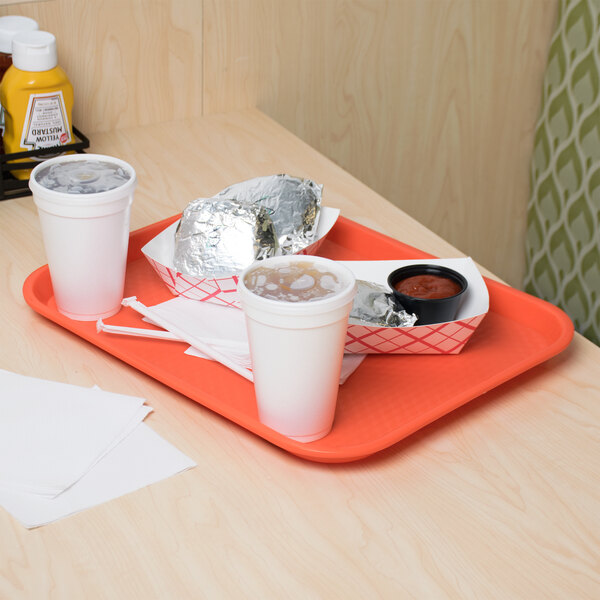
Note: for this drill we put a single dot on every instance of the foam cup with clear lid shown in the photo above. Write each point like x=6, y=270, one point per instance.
x=297, y=311
x=84, y=202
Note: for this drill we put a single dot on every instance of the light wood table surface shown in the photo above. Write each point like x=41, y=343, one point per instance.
x=500, y=499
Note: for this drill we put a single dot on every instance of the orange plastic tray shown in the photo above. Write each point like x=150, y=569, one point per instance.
x=385, y=400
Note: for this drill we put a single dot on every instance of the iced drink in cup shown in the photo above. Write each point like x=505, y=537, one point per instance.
x=297, y=311
x=83, y=202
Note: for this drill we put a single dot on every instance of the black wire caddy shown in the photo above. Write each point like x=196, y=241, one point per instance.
x=10, y=186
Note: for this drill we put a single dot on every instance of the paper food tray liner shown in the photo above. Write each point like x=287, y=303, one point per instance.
x=438, y=338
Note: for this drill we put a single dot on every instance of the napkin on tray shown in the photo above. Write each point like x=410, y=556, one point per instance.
x=57, y=440
x=220, y=327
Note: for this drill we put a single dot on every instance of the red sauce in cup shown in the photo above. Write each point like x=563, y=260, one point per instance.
x=428, y=286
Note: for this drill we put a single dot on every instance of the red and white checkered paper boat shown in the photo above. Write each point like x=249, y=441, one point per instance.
x=439, y=338
x=223, y=290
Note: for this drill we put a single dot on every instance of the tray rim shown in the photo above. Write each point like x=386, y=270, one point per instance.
x=349, y=452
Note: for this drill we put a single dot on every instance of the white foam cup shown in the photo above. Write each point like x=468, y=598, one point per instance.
x=86, y=236
x=297, y=350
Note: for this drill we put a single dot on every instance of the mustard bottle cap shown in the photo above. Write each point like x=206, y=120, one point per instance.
x=34, y=51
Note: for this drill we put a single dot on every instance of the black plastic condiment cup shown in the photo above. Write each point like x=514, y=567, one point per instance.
x=428, y=310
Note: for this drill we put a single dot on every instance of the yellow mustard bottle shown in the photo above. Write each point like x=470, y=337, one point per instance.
x=36, y=97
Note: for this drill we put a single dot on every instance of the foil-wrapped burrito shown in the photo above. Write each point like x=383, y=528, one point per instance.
x=218, y=237
x=375, y=306
x=293, y=203
x=247, y=221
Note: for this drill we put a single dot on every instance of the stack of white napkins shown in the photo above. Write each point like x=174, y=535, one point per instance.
x=206, y=325
x=65, y=448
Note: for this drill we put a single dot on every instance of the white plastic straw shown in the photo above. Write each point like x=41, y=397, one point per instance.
x=135, y=331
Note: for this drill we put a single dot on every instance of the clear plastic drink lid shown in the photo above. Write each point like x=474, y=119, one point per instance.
x=293, y=282
x=88, y=176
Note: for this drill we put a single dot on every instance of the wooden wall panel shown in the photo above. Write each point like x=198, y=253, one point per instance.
x=432, y=103
x=132, y=62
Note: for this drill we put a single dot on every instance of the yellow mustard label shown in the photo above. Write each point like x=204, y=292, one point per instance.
x=46, y=123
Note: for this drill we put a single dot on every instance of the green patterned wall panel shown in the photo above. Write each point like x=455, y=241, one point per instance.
x=563, y=214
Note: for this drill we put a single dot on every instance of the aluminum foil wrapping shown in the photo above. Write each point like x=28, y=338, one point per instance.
x=294, y=205
x=375, y=306
x=218, y=237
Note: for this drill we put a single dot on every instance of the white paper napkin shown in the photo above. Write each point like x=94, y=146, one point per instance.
x=220, y=327
x=52, y=433
x=140, y=459
x=349, y=364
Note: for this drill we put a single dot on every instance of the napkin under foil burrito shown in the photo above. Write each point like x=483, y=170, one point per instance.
x=220, y=237
x=375, y=306
x=294, y=205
